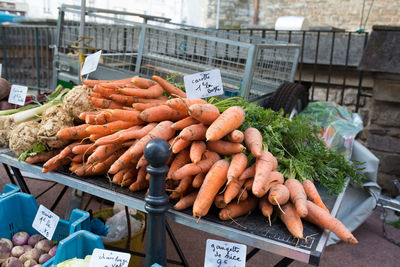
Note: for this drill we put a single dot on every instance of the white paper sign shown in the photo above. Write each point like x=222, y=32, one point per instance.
x=17, y=94
x=203, y=84
x=91, y=63
x=45, y=222
x=224, y=254
x=109, y=258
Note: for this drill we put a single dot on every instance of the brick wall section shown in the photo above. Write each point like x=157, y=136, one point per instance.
x=344, y=14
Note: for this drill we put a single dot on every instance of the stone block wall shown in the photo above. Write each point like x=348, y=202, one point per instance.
x=344, y=14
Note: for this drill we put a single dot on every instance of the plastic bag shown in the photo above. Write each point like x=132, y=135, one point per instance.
x=340, y=127
x=118, y=227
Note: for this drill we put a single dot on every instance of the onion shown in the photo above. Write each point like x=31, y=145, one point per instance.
x=34, y=239
x=43, y=258
x=17, y=251
x=20, y=238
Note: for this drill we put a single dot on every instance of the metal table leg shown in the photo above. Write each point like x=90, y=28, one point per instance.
x=10, y=176
x=20, y=180
x=176, y=245
x=252, y=253
x=284, y=262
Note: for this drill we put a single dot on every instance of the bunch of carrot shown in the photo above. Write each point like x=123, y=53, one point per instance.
x=210, y=162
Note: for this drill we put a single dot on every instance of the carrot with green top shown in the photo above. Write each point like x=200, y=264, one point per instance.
x=215, y=179
x=169, y=88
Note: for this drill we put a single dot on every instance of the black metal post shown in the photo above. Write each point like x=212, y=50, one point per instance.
x=157, y=153
x=10, y=176
x=20, y=180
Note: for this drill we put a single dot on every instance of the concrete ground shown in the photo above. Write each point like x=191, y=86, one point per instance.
x=373, y=249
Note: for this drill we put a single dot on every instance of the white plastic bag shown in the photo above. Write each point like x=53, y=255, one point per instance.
x=118, y=227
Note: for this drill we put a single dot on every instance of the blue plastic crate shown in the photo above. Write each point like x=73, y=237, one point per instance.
x=9, y=189
x=18, y=210
x=79, y=245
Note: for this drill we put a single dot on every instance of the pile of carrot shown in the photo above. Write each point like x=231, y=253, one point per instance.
x=212, y=161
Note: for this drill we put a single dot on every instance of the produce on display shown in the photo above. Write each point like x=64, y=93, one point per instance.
x=230, y=153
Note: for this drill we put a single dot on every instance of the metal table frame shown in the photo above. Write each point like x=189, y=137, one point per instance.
x=258, y=242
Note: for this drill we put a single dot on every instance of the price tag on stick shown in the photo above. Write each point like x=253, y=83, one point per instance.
x=17, y=95
x=203, y=84
x=224, y=254
x=91, y=63
x=45, y=222
x=103, y=258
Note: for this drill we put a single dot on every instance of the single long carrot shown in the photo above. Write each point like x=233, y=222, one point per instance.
x=278, y=195
x=184, y=184
x=118, y=177
x=153, y=91
x=235, y=136
x=163, y=130
x=215, y=179
x=181, y=159
x=103, y=91
x=102, y=152
x=142, y=162
x=264, y=166
x=110, y=127
x=243, y=194
x=224, y=147
x=54, y=163
x=121, y=115
x=320, y=217
x=237, y=166
x=186, y=201
x=74, y=166
x=134, y=132
x=236, y=209
x=248, y=172
x=291, y=219
x=104, y=103
x=169, y=88
x=83, y=115
x=196, y=151
x=312, y=194
x=205, y=113
x=179, y=145
x=182, y=124
x=43, y=157
x=103, y=166
x=253, y=140
x=228, y=121
x=297, y=196
x=91, y=119
x=266, y=208
x=193, y=132
x=142, y=82
x=182, y=104
x=126, y=100
x=198, y=180
x=194, y=169
x=73, y=133
x=144, y=106
x=116, y=84
x=219, y=201
x=141, y=183
x=93, y=94
x=67, y=151
x=77, y=158
x=232, y=189
x=161, y=113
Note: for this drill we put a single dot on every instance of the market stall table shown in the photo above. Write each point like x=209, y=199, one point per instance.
x=252, y=230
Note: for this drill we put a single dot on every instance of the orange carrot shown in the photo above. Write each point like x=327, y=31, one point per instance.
x=125, y=100
x=153, y=91
x=253, y=140
x=169, y=88
x=84, y=170
x=181, y=159
x=86, y=149
x=110, y=127
x=243, y=194
x=291, y=219
x=182, y=104
x=93, y=94
x=120, y=115
x=235, y=209
x=184, y=184
x=248, y=173
x=196, y=151
x=205, y=113
x=179, y=145
x=73, y=133
x=235, y=136
x=215, y=179
x=219, y=201
x=77, y=158
x=193, y=169
x=74, y=166
x=102, y=152
x=91, y=119
x=232, y=189
x=43, y=157
x=103, y=91
x=297, y=196
x=237, y=166
x=54, y=163
x=142, y=162
x=198, y=180
x=141, y=183
x=116, y=84
x=193, y=132
x=248, y=184
x=103, y=166
x=182, y=124
x=186, y=201
x=162, y=130
x=142, y=82
x=144, y=106
x=278, y=195
x=135, y=132
x=83, y=115
x=312, y=194
x=67, y=151
x=266, y=208
x=161, y=113
x=228, y=121
x=104, y=103
x=224, y=147
x=320, y=217
x=264, y=166
x=118, y=177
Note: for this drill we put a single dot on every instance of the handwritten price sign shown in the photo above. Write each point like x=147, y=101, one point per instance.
x=45, y=222
x=203, y=84
x=17, y=95
x=91, y=63
x=108, y=258
x=224, y=254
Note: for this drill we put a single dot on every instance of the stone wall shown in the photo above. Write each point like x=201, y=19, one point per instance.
x=344, y=14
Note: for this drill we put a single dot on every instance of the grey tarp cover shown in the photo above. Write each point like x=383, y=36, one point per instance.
x=358, y=204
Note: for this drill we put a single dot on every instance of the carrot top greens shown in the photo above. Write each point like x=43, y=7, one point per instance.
x=296, y=144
